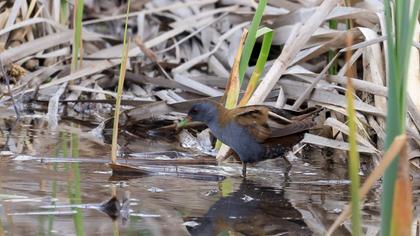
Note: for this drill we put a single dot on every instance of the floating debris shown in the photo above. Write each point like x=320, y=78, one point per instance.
x=25, y=158
x=191, y=224
x=6, y=153
x=155, y=190
x=145, y=215
x=247, y=198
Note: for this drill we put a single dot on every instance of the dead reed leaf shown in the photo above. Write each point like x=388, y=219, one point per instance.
x=345, y=129
x=402, y=210
x=332, y=143
x=294, y=89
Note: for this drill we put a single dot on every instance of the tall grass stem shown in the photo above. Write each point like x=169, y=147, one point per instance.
x=124, y=59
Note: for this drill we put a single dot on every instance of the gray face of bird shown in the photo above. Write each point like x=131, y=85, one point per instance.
x=204, y=112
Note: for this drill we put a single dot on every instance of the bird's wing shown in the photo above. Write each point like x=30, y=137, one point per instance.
x=254, y=119
x=263, y=110
x=291, y=134
x=294, y=128
x=295, y=115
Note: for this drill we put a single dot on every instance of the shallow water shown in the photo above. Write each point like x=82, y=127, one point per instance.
x=55, y=183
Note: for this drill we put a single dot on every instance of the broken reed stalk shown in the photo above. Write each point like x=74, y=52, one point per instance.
x=394, y=149
x=121, y=79
x=231, y=96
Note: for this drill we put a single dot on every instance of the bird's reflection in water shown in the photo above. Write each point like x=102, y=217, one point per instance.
x=252, y=210
x=116, y=209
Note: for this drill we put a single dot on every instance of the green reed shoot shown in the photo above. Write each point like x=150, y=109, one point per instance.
x=400, y=18
x=250, y=40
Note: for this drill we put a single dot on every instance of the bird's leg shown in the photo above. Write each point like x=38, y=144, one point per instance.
x=288, y=164
x=287, y=168
x=244, y=170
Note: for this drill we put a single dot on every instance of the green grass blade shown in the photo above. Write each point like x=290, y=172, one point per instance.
x=267, y=34
x=63, y=12
x=332, y=52
x=250, y=40
x=77, y=40
x=354, y=163
x=124, y=58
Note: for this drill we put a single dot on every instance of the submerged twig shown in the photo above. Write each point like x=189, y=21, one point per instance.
x=7, y=79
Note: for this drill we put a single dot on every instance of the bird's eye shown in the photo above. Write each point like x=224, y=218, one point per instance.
x=194, y=111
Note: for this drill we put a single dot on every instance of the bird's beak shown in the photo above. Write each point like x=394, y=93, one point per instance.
x=182, y=123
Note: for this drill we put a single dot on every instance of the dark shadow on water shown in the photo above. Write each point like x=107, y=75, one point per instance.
x=116, y=209
x=252, y=210
x=111, y=207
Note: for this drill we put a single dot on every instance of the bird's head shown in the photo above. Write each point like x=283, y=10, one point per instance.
x=204, y=112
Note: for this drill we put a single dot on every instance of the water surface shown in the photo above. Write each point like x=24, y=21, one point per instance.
x=56, y=183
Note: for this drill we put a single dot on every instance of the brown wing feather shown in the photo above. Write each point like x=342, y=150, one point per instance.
x=254, y=118
x=246, y=110
x=257, y=120
x=286, y=141
x=293, y=128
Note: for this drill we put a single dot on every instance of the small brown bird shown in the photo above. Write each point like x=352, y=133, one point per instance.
x=255, y=133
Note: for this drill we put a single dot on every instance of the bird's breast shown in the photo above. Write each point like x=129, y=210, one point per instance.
x=240, y=140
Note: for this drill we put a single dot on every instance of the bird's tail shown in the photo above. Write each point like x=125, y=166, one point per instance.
x=274, y=151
